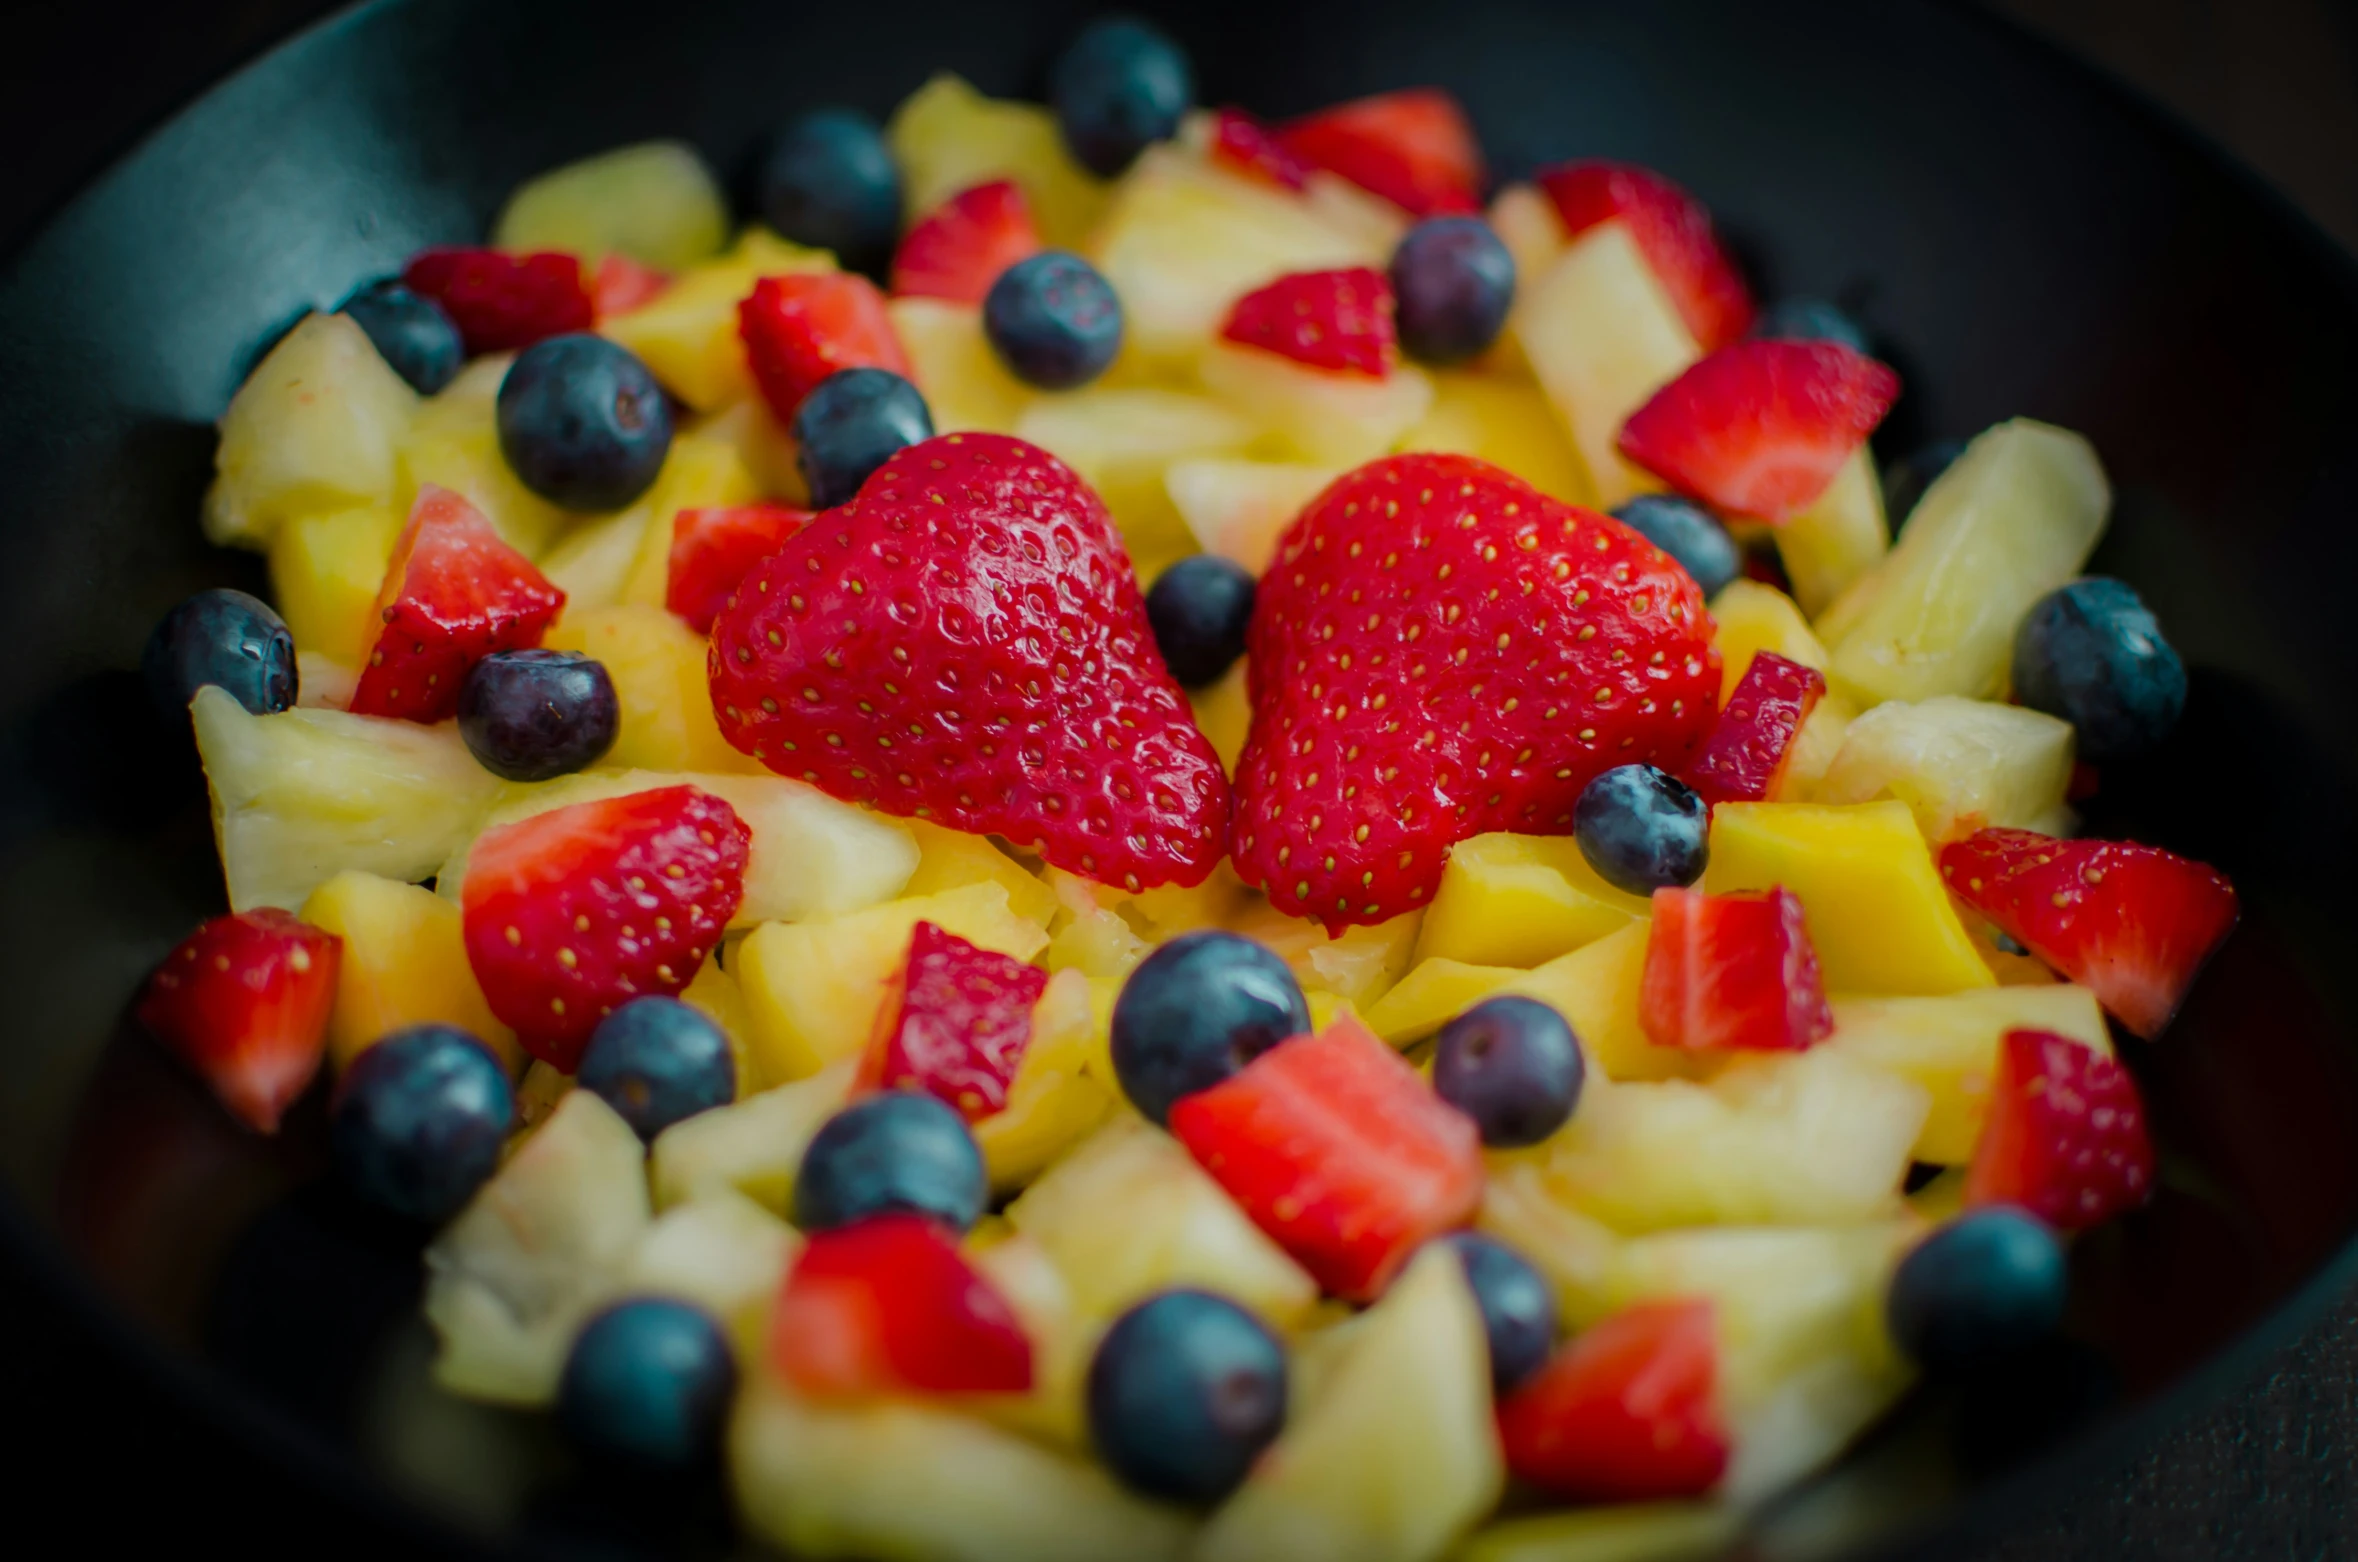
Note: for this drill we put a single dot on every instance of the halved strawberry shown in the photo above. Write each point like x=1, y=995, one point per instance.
x=453, y=594
x=888, y=1305
x=1672, y=230
x=1414, y=148
x=802, y=327
x=501, y=302
x=954, y=1023
x=1745, y=756
x=2065, y=1137
x=244, y=1003
x=957, y=250
x=572, y=913
x=622, y=285
x=1761, y=428
x=1336, y=320
x=711, y=549
x=1628, y=1412
x=1732, y=971
x=2132, y=924
x=1243, y=143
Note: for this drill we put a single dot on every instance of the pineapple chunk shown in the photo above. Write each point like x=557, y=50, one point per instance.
x=752, y=1147
x=1960, y=765
x=1526, y=223
x=1433, y=993
x=314, y=428
x=965, y=385
x=1520, y=900
x=404, y=964
x=1318, y=415
x=699, y=472
x=1120, y=440
x=1838, y=538
x=1815, y=748
x=687, y=337
x=1238, y=509
x=323, y=682
x=1749, y=617
x=1949, y=1045
x=761, y=442
x=723, y=1253
x=1572, y=1251
x=1063, y=1341
x=1168, y=910
x=454, y=443
x=1089, y=937
x=593, y=561
x=657, y=664
x=325, y=569
x=1358, y=965
x=952, y=859
x=1595, y=988
x=1053, y=1103
x=1629, y=1532
x=1224, y=715
x=655, y=202
x=948, y=137
x=714, y=993
x=1505, y=422
x=1347, y=208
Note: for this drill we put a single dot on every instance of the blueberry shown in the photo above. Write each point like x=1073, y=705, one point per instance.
x=1053, y=320
x=1185, y=1391
x=1198, y=609
x=419, y=1120
x=1452, y=282
x=1118, y=88
x=648, y=1384
x=411, y=333
x=1195, y=1011
x=1642, y=829
x=1986, y=1286
x=851, y=425
x=1905, y=479
x=531, y=715
x=1518, y=1306
x=901, y=1150
x=225, y=638
x=2091, y=653
x=1811, y=320
x=583, y=423
x=829, y=181
x=656, y=1061
x=1512, y=1066
x=1687, y=532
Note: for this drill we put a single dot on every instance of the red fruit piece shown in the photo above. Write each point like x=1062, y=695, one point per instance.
x=953, y=1024
x=622, y=285
x=965, y=640
x=1628, y=1412
x=1335, y=320
x=570, y=914
x=1744, y=758
x=957, y=250
x=2065, y=1137
x=888, y=1305
x=2132, y=924
x=1439, y=650
x=244, y=1003
x=711, y=549
x=453, y=594
x=1761, y=428
x=1339, y=1150
x=1732, y=971
x=1413, y=148
x=1671, y=229
x=501, y=302
x=800, y=328
x=1243, y=143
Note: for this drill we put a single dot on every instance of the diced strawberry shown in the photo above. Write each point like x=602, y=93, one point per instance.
x=1241, y=142
x=802, y=327
x=1672, y=230
x=1732, y=971
x=1335, y=320
x=572, y=913
x=453, y=594
x=1340, y=1150
x=711, y=549
x=954, y=1023
x=2065, y=1136
x=1628, y=1412
x=957, y=250
x=622, y=285
x=1413, y=148
x=501, y=302
x=244, y=1003
x=1744, y=759
x=888, y=1305
x=2132, y=924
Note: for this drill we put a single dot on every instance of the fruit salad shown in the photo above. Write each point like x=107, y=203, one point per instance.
x=1134, y=833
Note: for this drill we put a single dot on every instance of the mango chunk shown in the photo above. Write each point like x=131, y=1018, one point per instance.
x=1949, y=1045
x=1520, y=900
x=1224, y=715
x=404, y=964
x=1434, y=992
x=1054, y=1102
x=324, y=573
x=1748, y=617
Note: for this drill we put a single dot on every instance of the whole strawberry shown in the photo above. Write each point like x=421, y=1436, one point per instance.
x=1439, y=650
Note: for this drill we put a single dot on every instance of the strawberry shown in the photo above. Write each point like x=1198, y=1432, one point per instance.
x=1672, y=230
x=244, y=1003
x=888, y=1305
x=965, y=641
x=501, y=302
x=1340, y=1151
x=453, y=594
x=1335, y=320
x=1732, y=971
x=1439, y=650
x=2132, y=924
x=622, y=285
x=1628, y=1412
x=954, y=1023
x=1744, y=758
x=711, y=549
x=1242, y=143
x=1413, y=148
x=2065, y=1137
x=957, y=250
x=800, y=328
x=1760, y=428
x=571, y=913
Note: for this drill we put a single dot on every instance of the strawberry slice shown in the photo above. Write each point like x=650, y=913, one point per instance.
x=1414, y=148
x=1243, y=143
x=1732, y=971
x=957, y=250
x=1672, y=230
x=1335, y=320
x=953, y=1024
x=1339, y=1150
x=1761, y=428
x=965, y=640
x=1744, y=759
x=2132, y=924
x=572, y=913
x=622, y=285
x=802, y=327
x=711, y=549
x=1628, y=1412
x=888, y=1305
x=453, y=594
x=501, y=302
x=244, y=1003
x=2065, y=1137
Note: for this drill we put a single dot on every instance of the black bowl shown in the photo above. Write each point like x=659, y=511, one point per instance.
x=2025, y=238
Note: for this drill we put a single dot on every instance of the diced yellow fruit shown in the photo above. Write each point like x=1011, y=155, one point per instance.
x=324, y=573
x=454, y=443
x=699, y=473
x=1358, y=965
x=1750, y=617
x=714, y=993
x=539, y=1092
x=404, y=963
x=966, y=386
x=1596, y=988
x=1838, y=538
x=657, y=665
x=723, y=1253
x=1224, y=714
x=687, y=337
x=1940, y=1200
x=1325, y=1009
x=1520, y=900
x=655, y=202
x=1526, y=222
x=1239, y=508
x=314, y=428
x=1318, y=415
x=324, y=682
x=1960, y=765
x=948, y=137
x=1949, y=1045
x=1348, y=209
x=1505, y=422
x=1634, y=1532
x=1573, y=1252
x=1063, y=1340
x=1168, y=910
x=1120, y=439
x=1053, y=1103
x=1433, y=993
x=1814, y=750
x=753, y=1146
x=952, y=859
x=761, y=442
x=592, y=561
x=1087, y=935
